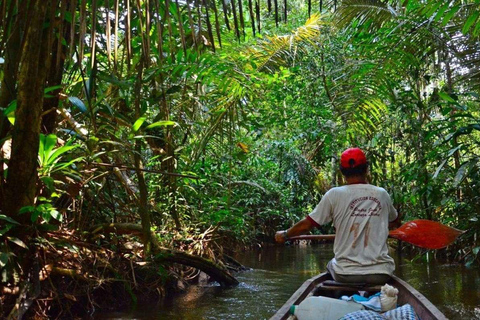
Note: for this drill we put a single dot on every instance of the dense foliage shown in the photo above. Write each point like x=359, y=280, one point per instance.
x=202, y=122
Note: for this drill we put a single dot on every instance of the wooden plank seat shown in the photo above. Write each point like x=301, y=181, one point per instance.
x=334, y=285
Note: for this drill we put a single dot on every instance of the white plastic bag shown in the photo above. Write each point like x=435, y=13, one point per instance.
x=388, y=297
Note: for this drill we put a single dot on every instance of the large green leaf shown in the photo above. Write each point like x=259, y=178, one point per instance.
x=47, y=143
x=55, y=156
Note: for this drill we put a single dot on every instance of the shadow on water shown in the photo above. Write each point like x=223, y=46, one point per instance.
x=277, y=272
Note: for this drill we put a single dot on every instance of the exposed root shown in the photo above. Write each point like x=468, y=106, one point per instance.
x=77, y=276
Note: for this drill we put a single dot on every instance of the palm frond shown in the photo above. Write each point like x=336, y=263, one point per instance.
x=373, y=12
x=277, y=51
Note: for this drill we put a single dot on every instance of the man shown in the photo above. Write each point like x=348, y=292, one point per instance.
x=361, y=214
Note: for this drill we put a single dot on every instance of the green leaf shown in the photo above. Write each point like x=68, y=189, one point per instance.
x=440, y=12
x=78, y=103
x=161, y=124
x=66, y=164
x=4, y=217
x=3, y=259
x=138, y=123
x=47, y=143
x=440, y=168
x=26, y=209
x=6, y=229
x=460, y=174
x=476, y=31
x=450, y=15
x=446, y=97
x=452, y=151
x=470, y=21
x=10, y=111
x=35, y=215
x=56, y=215
x=18, y=242
x=58, y=152
x=49, y=182
x=50, y=89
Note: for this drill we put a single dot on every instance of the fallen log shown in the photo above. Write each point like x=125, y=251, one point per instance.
x=218, y=272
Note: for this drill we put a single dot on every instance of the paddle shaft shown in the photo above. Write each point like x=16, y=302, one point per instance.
x=313, y=237
x=422, y=233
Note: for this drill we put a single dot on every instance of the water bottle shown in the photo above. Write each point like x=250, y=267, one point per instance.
x=323, y=308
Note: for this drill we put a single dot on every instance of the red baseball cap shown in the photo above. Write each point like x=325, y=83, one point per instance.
x=352, y=157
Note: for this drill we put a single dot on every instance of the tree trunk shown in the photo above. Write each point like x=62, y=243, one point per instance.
x=10, y=72
x=22, y=170
x=21, y=183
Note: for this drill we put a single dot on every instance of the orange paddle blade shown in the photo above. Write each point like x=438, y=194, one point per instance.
x=426, y=234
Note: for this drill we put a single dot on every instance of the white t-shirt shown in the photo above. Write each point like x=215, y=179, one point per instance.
x=360, y=215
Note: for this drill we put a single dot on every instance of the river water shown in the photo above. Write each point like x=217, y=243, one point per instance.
x=277, y=272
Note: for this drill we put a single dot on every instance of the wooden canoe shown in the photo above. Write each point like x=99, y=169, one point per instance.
x=321, y=285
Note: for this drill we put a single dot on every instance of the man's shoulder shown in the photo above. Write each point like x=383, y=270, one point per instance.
x=377, y=187
x=359, y=187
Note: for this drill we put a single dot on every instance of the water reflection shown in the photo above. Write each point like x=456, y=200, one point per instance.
x=277, y=272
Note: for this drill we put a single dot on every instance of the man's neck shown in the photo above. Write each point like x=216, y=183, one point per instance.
x=356, y=180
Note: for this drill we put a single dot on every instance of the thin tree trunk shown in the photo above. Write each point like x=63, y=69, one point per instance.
x=115, y=41
x=209, y=25
x=180, y=27
x=252, y=16
x=456, y=154
x=55, y=65
x=199, y=13
x=142, y=32
x=235, y=21
x=83, y=30
x=217, y=23
x=142, y=185
x=93, y=34
x=225, y=14
x=159, y=33
x=192, y=27
x=257, y=8
x=240, y=15
x=275, y=2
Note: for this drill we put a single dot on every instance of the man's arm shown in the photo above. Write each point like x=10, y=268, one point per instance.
x=301, y=227
x=396, y=223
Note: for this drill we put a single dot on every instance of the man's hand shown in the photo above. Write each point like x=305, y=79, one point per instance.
x=281, y=236
x=396, y=223
x=301, y=227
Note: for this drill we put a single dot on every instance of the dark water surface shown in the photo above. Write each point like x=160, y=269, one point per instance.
x=277, y=272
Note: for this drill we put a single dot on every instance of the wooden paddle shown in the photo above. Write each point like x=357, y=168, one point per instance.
x=421, y=233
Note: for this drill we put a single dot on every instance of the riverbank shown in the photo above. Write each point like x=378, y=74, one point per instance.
x=278, y=271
